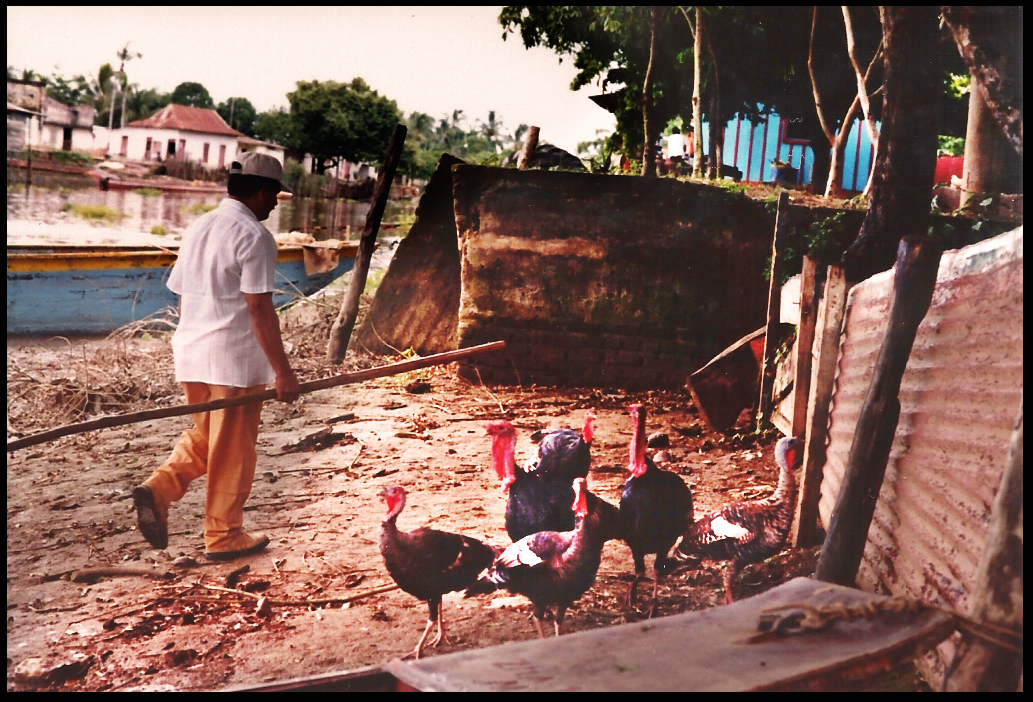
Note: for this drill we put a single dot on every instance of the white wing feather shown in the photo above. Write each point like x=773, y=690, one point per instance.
x=727, y=530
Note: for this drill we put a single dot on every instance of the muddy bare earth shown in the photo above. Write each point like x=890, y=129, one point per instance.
x=90, y=606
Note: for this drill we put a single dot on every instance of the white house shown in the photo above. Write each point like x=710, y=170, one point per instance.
x=178, y=131
x=246, y=144
x=67, y=128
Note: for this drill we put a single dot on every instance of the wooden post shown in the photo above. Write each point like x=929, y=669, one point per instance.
x=530, y=144
x=831, y=311
x=997, y=593
x=341, y=331
x=767, y=367
x=918, y=261
x=802, y=347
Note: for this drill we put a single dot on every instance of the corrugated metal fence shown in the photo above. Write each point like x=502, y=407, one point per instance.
x=959, y=399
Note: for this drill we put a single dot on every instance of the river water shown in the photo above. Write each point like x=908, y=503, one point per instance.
x=45, y=215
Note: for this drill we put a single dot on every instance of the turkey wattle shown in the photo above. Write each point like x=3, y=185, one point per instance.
x=655, y=509
x=747, y=532
x=550, y=568
x=427, y=563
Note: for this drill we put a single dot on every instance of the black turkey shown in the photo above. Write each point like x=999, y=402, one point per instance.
x=539, y=500
x=747, y=532
x=427, y=563
x=655, y=509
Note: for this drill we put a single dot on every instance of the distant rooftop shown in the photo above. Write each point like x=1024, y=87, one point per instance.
x=188, y=119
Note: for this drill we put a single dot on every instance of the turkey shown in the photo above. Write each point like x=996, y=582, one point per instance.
x=564, y=454
x=655, y=508
x=550, y=567
x=427, y=563
x=747, y=532
x=539, y=500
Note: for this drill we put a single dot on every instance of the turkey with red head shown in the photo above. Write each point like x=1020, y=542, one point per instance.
x=549, y=567
x=539, y=500
x=655, y=508
x=427, y=563
x=747, y=532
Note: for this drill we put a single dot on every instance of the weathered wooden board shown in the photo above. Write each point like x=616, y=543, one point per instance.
x=727, y=385
x=707, y=650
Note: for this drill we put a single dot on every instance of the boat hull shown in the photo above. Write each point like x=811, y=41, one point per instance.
x=95, y=290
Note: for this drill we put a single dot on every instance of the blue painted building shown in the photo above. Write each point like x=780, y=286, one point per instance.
x=752, y=147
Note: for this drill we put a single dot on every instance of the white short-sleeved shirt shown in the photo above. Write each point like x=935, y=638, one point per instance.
x=224, y=254
x=676, y=144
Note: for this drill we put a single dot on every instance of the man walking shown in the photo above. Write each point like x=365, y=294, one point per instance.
x=227, y=344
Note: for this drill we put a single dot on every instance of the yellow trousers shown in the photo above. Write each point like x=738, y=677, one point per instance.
x=222, y=444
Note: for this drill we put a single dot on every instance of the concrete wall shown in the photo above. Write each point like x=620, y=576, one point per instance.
x=604, y=281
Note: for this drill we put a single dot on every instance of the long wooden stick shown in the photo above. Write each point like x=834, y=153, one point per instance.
x=311, y=386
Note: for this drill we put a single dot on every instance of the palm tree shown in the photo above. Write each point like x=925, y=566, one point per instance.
x=492, y=131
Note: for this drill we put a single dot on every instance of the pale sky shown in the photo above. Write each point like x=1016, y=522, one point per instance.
x=431, y=60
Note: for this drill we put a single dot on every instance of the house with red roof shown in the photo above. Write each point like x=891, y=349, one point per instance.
x=178, y=132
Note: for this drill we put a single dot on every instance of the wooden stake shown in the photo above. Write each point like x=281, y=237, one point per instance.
x=996, y=597
x=530, y=144
x=341, y=331
x=918, y=261
x=831, y=311
x=767, y=368
x=802, y=347
x=311, y=386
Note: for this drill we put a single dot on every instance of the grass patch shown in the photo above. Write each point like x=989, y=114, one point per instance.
x=199, y=208
x=148, y=192
x=159, y=230
x=93, y=212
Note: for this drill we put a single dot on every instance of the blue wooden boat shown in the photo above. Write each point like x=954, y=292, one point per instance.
x=68, y=289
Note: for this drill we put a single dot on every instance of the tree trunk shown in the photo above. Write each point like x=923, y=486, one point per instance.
x=649, y=129
x=903, y=176
x=697, y=111
x=341, y=331
x=990, y=40
x=991, y=164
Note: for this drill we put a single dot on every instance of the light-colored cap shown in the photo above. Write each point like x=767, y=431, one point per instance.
x=256, y=164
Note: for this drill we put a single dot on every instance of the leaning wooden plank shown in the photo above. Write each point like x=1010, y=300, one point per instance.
x=666, y=653
x=803, y=344
x=727, y=385
x=830, y=322
x=771, y=338
x=311, y=386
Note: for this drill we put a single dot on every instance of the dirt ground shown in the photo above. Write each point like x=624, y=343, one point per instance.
x=91, y=606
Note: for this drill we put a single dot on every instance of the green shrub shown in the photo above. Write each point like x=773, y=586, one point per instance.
x=100, y=212
x=159, y=230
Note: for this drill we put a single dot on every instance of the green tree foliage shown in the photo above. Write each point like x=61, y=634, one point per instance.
x=76, y=91
x=239, y=113
x=347, y=121
x=192, y=95
x=141, y=104
x=279, y=127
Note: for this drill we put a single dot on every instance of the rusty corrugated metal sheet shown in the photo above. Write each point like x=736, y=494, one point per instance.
x=959, y=398
x=188, y=119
